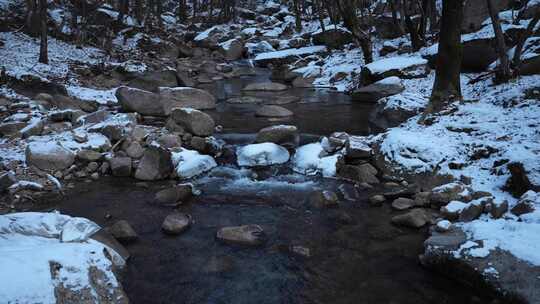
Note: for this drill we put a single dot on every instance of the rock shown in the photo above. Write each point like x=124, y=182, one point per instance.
x=88, y=156
x=416, y=218
x=386, y=28
x=248, y=235
x=194, y=121
x=358, y=148
x=519, y=182
x=48, y=156
x=300, y=251
x=377, y=200
x=135, y=150
x=403, y=203
x=283, y=135
x=7, y=180
x=169, y=141
x=11, y=128
x=380, y=89
x=422, y=199
x=402, y=67
x=175, y=195
x=324, y=199
x=476, y=12
x=444, y=194
x=123, y=232
x=190, y=163
x=303, y=82
x=232, y=49
x=288, y=56
x=120, y=166
x=245, y=100
x=264, y=154
x=176, y=223
x=443, y=226
x=151, y=81
x=156, y=164
x=497, y=209
x=140, y=101
x=333, y=37
x=392, y=111
x=265, y=86
x=273, y=111
x=364, y=173
x=473, y=210
x=185, y=97
x=527, y=203
x=453, y=210
x=349, y=192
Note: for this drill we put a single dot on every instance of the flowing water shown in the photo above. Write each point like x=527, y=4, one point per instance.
x=356, y=255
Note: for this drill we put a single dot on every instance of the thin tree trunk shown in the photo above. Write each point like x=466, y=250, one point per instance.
x=297, y=15
x=447, y=84
x=43, y=53
x=348, y=13
x=503, y=74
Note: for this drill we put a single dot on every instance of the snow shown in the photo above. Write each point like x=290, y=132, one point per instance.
x=291, y=52
x=26, y=276
x=264, y=154
x=393, y=80
x=412, y=102
x=395, y=63
x=455, y=206
x=89, y=94
x=189, y=163
x=205, y=34
x=311, y=159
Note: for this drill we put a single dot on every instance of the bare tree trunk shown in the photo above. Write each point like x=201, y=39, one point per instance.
x=348, y=13
x=447, y=84
x=503, y=74
x=43, y=53
x=297, y=15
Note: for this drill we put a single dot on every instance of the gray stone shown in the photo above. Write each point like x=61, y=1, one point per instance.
x=194, y=121
x=176, y=223
x=6, y=180
x=140, y=101
x=265, y=86
x=416, y=218
x=135, y=150
x=273, y=111
x=170, y=141
x=156, y=164
x=120, y=166
x=403, y=203
x=247, y=235
x=376, y=91
x=324, y=199
x=283, y=135
x=88, y=156
x=185, y=97
x=233, y=50
x=364, y=173
x=123, y=232
x=48, y=156
x=377, y=200
x=333, y=37
x=175, y=195
x=151, y=81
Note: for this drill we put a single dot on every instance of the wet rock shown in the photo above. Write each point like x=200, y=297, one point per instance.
x=48, y=156
x=265, y=86
x=175, y=195
x=123, y=232
x=194, y=121
x=527, y=203
x=244, y=100
x=185, y=97
x=273, y=111
x=403, y=203
x=151, y=81
x=364, y=173
x=324, y=199
x=248, y=235
x=283, y=135
x=120, y=166
x=415, y=218
x=7, y=180
x=156, y=164
x=176, y=223
x=376, y=200
x=264, y=154
x=380, y=89
x=218, y=265
x=300, y=251
x=140, y=101
x=135, y=150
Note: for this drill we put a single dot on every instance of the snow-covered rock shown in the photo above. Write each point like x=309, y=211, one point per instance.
x=311, y=159
x=189, y=163
x=400, y=66
x=194, y=121
x=49, y=156
x=263, y=154
x=288, y=56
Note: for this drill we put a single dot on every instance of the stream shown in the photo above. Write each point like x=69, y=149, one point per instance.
x=356, y=254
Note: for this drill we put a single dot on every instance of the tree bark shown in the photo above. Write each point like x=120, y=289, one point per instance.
x=447, y=84
x=348, y=12
x=503, y=73
x=297, y=15
x=43, y=53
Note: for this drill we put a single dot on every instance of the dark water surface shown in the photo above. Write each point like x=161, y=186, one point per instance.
x=357, y=256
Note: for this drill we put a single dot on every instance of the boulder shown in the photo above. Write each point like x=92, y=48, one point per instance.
x=185, y=97
x=376, y=200
x=151, y=81
x=48, y=156
x=386, y=28
x=403, y=203
x=123, y=232
x=135, y=150
x=156, y=164
x=288, y=56
x=11, y=128
x=169, y=141
x=190, y=163
x=273, y=111
x=247, y=235
x=194, y=121
x=324, y=199
x=399, y=66
x=476, y=12
x=357, y=148
x=453, y=210
x=364, y=173
x=380, y=89
x=232, y=49
x=265, y=86
x=176, y=223
x=88, y=156
x=527, y=203
x=264, y=154
x=416, y=218
x=7, y=180
x=283, y=135
x=175, y=195
x=140, y=101
x=394, y=110
x=120, y=166
x=334, y=37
